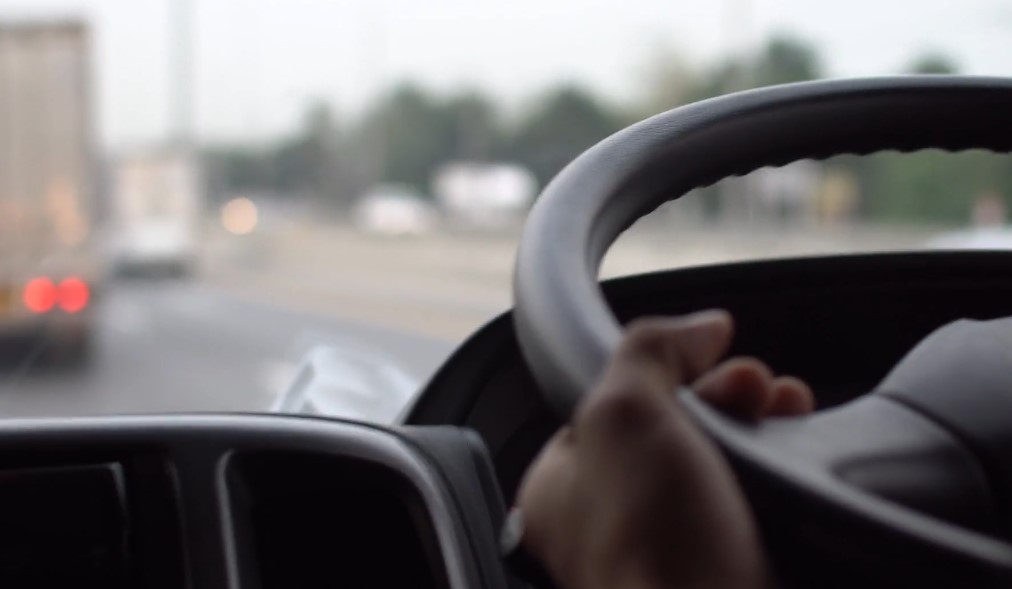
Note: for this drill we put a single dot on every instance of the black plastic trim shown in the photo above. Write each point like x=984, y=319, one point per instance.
x=199, y=446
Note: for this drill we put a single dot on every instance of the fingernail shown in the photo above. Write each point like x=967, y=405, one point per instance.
x=704, y=317
x=706, y=329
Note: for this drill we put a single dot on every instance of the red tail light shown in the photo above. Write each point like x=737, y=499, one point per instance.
x=40, y=295
x=73, y=295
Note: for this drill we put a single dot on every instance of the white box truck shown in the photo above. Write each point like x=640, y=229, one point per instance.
x=154, y=212
x=49, y=272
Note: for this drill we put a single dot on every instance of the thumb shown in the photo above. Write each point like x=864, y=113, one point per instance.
x=671, y=351
x=703, y=338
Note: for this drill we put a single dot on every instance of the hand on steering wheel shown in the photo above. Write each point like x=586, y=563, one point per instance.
x=632, y=494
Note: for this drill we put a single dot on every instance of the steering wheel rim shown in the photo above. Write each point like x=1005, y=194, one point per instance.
x=562, y=319
x=567, y=332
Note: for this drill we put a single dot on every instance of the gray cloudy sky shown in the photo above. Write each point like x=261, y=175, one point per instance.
x=259, y=62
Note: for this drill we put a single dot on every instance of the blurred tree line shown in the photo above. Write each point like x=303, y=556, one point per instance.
x=410, y=132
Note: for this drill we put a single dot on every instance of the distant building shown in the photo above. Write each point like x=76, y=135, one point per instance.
x=484, y=194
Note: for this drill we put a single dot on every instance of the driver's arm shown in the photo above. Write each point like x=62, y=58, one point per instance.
x=632, y=495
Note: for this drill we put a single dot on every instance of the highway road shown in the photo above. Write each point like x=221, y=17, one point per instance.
x=231, y=338
x=168, y=346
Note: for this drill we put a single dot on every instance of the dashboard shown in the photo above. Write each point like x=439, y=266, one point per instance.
x=839, y=322
x=243, y=501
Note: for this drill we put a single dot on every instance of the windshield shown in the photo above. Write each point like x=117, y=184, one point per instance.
x=203, y=204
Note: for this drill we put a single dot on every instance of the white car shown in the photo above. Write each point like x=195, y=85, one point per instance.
x=977, y=238
x=395, y=210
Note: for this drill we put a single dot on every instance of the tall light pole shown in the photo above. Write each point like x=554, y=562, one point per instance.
x=736, y=193
x=374, y=50
x=738, y=40
x=181, y=42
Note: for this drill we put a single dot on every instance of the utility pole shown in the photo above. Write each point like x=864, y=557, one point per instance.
x=736, y=198
x=181, y=42
x=183, y=137
x=373, y=78
x=738, y=39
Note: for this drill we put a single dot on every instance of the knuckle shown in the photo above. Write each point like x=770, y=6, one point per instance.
x=625, y=408
x=647, y=337
x=652, y=346
x=644, y=329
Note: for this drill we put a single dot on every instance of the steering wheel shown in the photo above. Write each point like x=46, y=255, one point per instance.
x=912, y=482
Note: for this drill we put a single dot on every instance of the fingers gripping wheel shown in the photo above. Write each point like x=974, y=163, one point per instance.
x=877, y=485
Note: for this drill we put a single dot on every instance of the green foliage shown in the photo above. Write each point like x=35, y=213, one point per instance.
x=785, y=60
x=475, y=127
x=414, y=136
x=782, y=60
x=568, y=122
x=934, y=63
x=931, y=185
x=306, y=162
x=411, y=133
x=668, y=81
x=236, y=168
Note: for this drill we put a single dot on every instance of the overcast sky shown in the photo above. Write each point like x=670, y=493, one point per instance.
x=259, y=62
